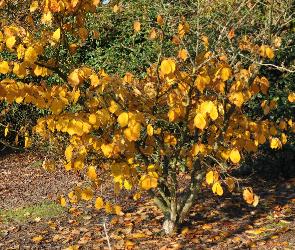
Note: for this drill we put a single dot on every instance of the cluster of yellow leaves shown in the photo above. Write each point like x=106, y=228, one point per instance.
x=149, y=181
x=87, y=194
x=264, y=50
x=204, y=109
x=212, y=177
x=120, y=117
x=250, y=197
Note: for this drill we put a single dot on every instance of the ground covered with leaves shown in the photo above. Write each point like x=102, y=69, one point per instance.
x=31, y=219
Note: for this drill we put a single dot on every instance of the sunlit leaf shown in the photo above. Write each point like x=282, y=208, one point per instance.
x=217, y=188
x=148, y=182
x=212, y=177
x=10, y=42
x=4, y=67
x=200, y=122
x=123, y=119
x=87, y=194
x=235, y=156
x=168, y=66
x=91, y=173
x=99, y=203
x=63, y=202
x=56, y=35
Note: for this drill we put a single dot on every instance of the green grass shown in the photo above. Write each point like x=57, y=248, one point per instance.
x=44, y=210
x=36, y=164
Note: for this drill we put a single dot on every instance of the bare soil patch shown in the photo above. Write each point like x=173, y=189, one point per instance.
x=23, y=181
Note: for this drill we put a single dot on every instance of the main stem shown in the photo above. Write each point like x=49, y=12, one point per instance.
x=179, y=205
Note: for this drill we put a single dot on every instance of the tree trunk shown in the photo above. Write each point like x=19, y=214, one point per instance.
x=170, y=224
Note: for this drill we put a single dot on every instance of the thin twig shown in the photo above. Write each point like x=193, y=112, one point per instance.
x=106, y=233
x=270, y=65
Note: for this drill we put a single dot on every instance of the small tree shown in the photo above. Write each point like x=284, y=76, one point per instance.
x=185, y=118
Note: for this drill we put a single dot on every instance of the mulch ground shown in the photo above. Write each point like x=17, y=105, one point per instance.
x=215, y=222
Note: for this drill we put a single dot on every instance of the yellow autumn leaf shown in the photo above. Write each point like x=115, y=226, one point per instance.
x=275, y=143
x=20, y=70
x=30, y=55
x=153, y=34
x=199, y=121
x=217, y=188
x=108, y=208
x=150, y=130
x=206, y=107
x=28, y=141
x=95, y=2
x=116, y=8
x=114, y=107
x=291, y=97
x=256, y=231
x=148, y=182
x=269, y=53
x=123, y=119
x=213, y=113
x=183, y=28
x=237, y=98
x=34, y=6
x=68, y=166
x=46, y=18
x=118, y=210
x=235, y=156
x=225, y=74
x=38, y=70
x=91, y=173
x=63, y=202
x=6, y=130
x=87, y=194
x=183, y=54
x=138, y=236
x=132, y=133
x=20, y=51
x=212, y=177
x=136, y=26
x=10, y=42
x=127, y=185
x=201, y=82
x=4, y=67
x=69, y=153
x=107, y=150
x=284, y=138
x=170, y=140
x=250, y=197
x=205, y=41
x=160, y=20
x=98, y=203
x=168, y=66
x=37, y=239
x=56, y=35
x=136, y=196
x=74, y=78
x=92, y=119
x=73, y=247
x=78, y=164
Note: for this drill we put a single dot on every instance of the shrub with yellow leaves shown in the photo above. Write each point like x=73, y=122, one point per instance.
x=183, y=116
